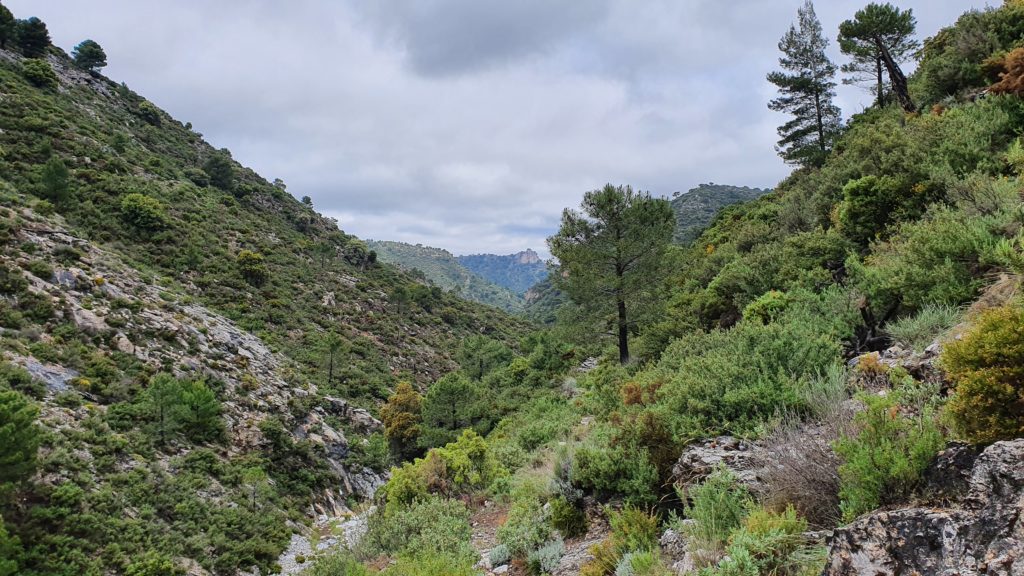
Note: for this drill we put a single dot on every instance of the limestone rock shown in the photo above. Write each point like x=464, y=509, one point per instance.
x=700, y=459
x=982, y=534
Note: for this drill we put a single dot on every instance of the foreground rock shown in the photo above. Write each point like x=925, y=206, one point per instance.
x=984, y=534
x=701, y=459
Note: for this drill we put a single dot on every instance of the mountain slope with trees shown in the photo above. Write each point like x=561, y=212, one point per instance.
x=696, y=208
x=446, y=271
x=204, y=352
x=517, y=272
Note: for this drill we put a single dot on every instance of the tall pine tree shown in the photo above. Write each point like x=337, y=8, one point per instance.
x=611, y=258
x=880, y=37
x=806, y=89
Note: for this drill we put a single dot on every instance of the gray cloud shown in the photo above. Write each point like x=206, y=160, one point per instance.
x=465, y=124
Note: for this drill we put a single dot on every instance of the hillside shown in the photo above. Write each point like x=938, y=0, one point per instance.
x=696, y=208
x=517, y=272
x=201, y=376
x=447, y=272
x=207, y=353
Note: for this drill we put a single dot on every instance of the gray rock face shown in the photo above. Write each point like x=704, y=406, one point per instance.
x=700, y=459
x=984, y=534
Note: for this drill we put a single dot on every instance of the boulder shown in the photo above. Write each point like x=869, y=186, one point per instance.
x=982, y=534
x=700, y=459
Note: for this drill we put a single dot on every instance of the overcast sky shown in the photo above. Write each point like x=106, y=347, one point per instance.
x=466, y=124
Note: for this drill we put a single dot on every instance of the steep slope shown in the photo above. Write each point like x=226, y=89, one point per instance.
x=517, y=272
x=206, y=350
x=444, y=270
x=697, y=208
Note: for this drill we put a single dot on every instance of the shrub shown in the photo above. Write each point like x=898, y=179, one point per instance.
x=884, y=459
x=337, y=564
x=801, y=469
x=569, y=520
x=149, y=113
x=142, y=212
x=525, y=528
x=987, y=366
x=428, y=525
x=252, y=268
x=706, y=391
x=220, y=171
x=545, y=559
x=921, y=329
x=456, y=469
x=499, y=555
x=646, y=563
x=717, y=507
x=39, y=74
x=767, y=307
x=632, y=531
x=431, y=564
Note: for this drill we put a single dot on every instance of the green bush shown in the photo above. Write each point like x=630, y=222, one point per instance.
x=251, y=266
x=337, y=564
x=39, y=74
x=545, y=559
x=142, y=212
x=987, y=367
x=569, y=520
x=429, y=525
x=499, y=555
x=717, y=507
x=884, y=459
x=456, y=469
x=525, y=528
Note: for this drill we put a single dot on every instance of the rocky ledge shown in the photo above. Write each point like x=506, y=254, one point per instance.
x=982, y=533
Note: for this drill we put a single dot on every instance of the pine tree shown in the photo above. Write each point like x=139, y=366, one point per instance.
x=89, y=55
x=163, y=403
x=879, y=37
x=806, y=85
x=33, y=37
x=7, y=26
x=610, y=256
x=55, y=181
x=19, y=439
x=200, y=413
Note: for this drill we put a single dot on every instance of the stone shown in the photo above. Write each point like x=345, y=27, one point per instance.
x=503, y=569
x=700, y=459
x=983, y=533
x=88, y=321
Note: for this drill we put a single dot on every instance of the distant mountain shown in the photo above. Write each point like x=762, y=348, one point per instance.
x=695, y=209
x=517, y=272
x=445, y=270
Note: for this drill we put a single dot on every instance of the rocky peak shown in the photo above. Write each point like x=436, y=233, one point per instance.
x=528, y=256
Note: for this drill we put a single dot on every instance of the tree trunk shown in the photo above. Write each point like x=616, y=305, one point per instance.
x=896, y=78
x=881, y=82
x=821, y=126
x=330, y=368
x=623, y=333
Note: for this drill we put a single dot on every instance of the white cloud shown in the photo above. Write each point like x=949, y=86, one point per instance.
x=464, y=124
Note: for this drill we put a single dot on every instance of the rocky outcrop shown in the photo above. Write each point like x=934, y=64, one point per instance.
x=982, y=534
x=700, y=459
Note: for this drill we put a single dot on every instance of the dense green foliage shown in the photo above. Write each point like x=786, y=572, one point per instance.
x=89, y=55
x=609, y=254
x=987, y=366
x=696, y=208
